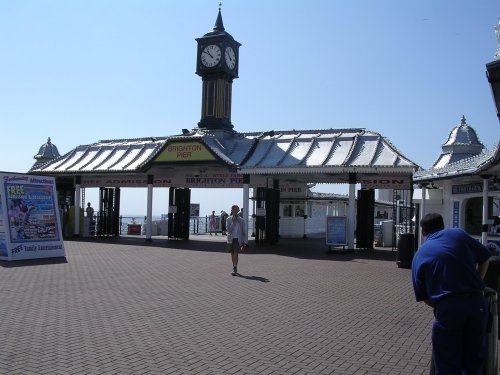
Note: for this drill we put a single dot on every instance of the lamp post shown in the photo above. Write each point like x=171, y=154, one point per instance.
x=493, y=72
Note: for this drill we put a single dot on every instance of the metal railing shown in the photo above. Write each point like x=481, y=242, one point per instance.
x=197, y=225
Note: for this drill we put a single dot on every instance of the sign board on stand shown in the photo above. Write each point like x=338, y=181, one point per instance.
x=30, y=226
x=336, y=231
x=194, y=210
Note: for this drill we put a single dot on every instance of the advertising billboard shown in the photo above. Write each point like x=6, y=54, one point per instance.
x=30, y=226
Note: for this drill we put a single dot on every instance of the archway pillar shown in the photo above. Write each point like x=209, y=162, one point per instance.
x=351, y=211
x=78, y=184
x=149, y=212
x=422, y=213
x=246, y=205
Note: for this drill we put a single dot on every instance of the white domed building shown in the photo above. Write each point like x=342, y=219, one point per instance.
x=455, y=185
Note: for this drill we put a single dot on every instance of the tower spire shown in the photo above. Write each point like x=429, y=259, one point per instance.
x=497, y=34
x=463, y=121
x=219, y=25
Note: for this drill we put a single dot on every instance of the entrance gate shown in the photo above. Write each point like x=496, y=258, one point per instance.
x=267, y=227
x=179, y=201
x=403, y=212
x=365, y=219
x=108, y=221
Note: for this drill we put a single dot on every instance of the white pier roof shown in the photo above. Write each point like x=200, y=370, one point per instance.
x=328, y=151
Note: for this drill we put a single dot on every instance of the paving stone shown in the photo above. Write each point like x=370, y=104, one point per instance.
x=126, y=306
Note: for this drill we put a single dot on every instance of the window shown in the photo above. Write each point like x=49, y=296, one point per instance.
x=474, y=214
x=494, y=227
x=299, y=210
x=287, y=210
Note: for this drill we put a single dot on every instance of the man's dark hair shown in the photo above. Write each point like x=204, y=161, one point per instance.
x=432, y=223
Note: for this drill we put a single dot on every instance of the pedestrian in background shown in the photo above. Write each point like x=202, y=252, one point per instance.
x=236, y=236
x=447, y=274
x=90, y=212
x=223, y=218
x=212, y=223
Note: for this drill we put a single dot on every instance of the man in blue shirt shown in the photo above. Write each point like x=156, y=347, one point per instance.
x=447, y=274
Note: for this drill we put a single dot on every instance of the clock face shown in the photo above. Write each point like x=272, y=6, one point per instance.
x=210, y=56
x=230, y=58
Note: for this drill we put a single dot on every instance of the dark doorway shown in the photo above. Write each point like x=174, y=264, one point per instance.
x=365, y=219
x=108, y=221
x=178, y=220
x=267, y=227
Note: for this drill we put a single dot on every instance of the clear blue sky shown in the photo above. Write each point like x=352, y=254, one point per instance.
x=84, y=70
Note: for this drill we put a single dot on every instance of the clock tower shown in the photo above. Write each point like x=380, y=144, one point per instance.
x=217, y=64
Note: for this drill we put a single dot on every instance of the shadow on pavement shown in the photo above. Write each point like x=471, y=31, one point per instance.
x=308, y=248
x=256, y=278
x=32, y=262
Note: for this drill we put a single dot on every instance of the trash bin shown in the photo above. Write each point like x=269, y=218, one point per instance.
x=406, y=249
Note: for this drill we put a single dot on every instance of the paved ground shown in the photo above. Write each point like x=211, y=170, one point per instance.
x=171, y=307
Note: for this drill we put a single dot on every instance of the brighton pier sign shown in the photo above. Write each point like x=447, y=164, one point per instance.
x=203, y=180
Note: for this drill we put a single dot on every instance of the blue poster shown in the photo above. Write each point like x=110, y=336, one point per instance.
x=31, y=212
x=3, y=244
x=336, y=230
x=456, y=214
x=30, y=227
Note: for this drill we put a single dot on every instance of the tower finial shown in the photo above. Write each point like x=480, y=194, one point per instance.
x=219, y=25
x=497, y=34
x=463, y=121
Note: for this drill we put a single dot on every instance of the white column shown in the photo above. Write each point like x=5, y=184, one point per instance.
x=422, y=214
x=447, y=199
x=352, y=215
x=149, y=212
x=484, y=232
x=246, y=210
x=76, y=231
